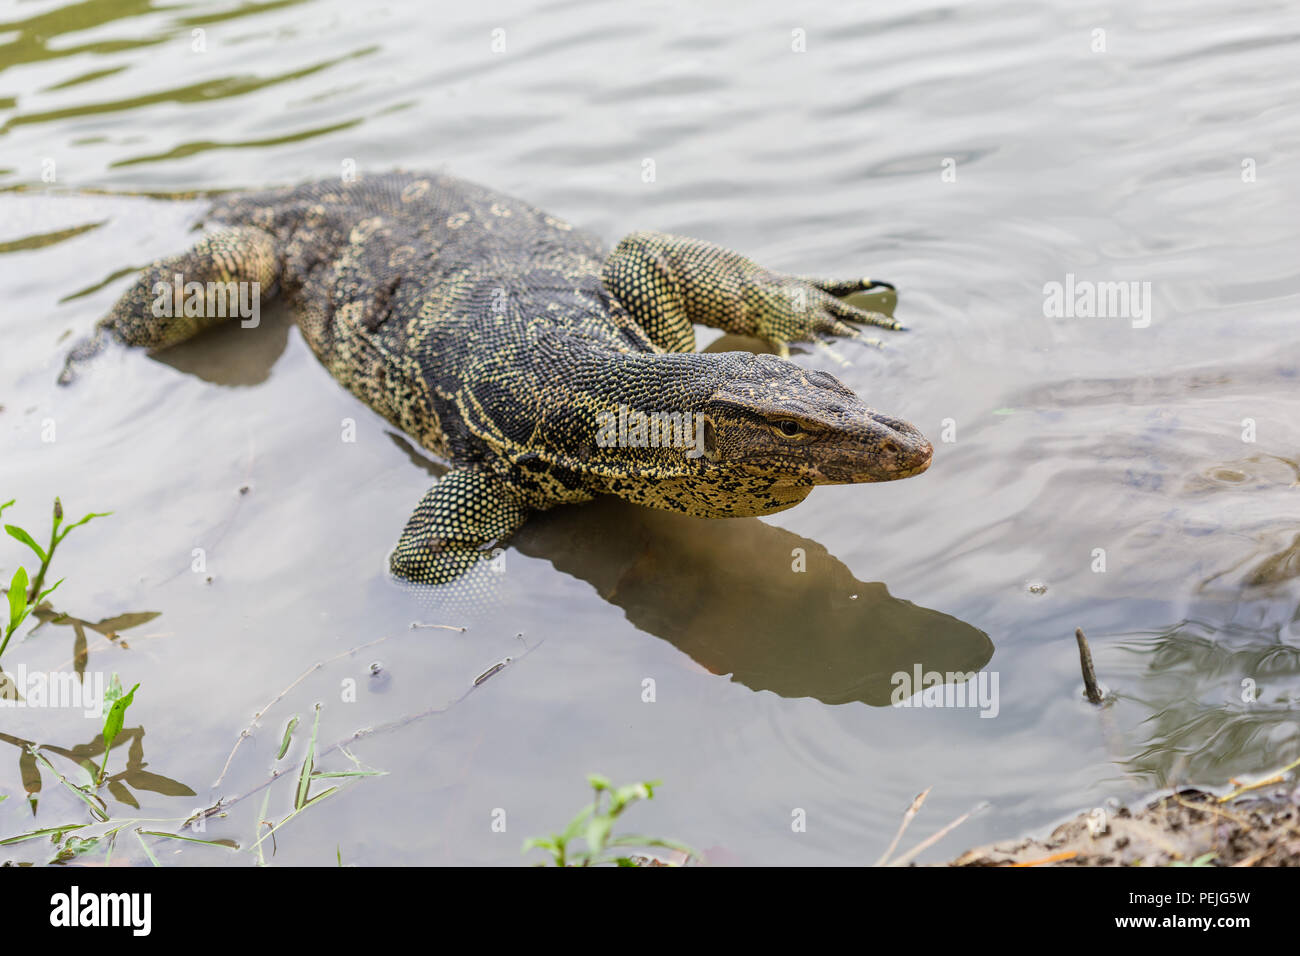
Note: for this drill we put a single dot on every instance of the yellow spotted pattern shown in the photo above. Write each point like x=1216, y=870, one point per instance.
x=497, y=336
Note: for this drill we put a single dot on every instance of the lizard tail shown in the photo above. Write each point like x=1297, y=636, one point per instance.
x=83, y=352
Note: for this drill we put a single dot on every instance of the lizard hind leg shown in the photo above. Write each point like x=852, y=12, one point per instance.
x=225, y=275
x=453, y=532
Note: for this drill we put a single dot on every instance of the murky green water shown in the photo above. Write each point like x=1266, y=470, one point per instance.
x=972, y=153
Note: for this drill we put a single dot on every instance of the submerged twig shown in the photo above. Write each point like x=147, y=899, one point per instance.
x=1278, y=777
x=248, y=731
x=936, y=837
x=1090, y=686
x=902, y=828
x=371, y=731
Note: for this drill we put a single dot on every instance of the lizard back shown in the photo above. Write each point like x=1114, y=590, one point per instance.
x=412, y=288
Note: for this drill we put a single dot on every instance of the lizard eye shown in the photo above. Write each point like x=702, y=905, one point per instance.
x=786, y=427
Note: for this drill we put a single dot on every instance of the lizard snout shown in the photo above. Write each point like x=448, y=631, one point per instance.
x=900, y=450
x=885, y=449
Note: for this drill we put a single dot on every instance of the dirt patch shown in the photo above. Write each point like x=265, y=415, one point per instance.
x=1187, y=827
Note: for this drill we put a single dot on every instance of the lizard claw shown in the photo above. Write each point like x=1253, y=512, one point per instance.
x=843, y=287
x=791, y=309
x=852, y=313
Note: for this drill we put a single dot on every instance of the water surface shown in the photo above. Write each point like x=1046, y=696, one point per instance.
x=971, y=153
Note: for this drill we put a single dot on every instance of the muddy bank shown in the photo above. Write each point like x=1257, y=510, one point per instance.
x=1248, y=826
x=1253, y=822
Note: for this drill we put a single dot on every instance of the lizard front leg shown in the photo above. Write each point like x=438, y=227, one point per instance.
x=669, y=282
x=455, y=526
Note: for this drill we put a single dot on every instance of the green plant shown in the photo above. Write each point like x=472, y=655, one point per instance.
x=26, y=595
x=19, y=606
x=46, y=554
x=100, y=835
x=115, y=705
x=303, y=798
x=594, y=825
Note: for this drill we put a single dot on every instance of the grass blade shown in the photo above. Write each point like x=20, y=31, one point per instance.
x=288, y=736
x=228, y=844
x=308, y=765
x=319, y=774
x=98, y=809
x=147, y=852
x=44, y=831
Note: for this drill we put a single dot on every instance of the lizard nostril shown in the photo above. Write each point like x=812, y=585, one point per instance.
x=891, y=448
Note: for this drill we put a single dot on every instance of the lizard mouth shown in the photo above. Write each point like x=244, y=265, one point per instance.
x=888, y=461
x=921, y=458
x=909, y=472
x=852, y=468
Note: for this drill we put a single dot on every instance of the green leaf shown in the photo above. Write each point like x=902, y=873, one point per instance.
x=317, y=775
x=636, y=791
x=308, y=765
x=597, y=833
x=48, y=591
x=288, y=735
x=228, y=844
x=116, y=717
x=57, y=832
x=78, y=524
x=112, y=692
x=147, y=852
x=21, y=535
x=321, y=796
x=17, y=598
x=622, y=797
x=6, y=505
x=577, y=823
x=598, y=781
x=644, y=841
x=74, y=847
x=541, y=843
x=549, y=845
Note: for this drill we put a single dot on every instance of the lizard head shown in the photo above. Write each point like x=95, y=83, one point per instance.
x=744, y=435
x=769, y=416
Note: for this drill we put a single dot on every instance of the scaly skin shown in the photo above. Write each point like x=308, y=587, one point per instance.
x=501, y=338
